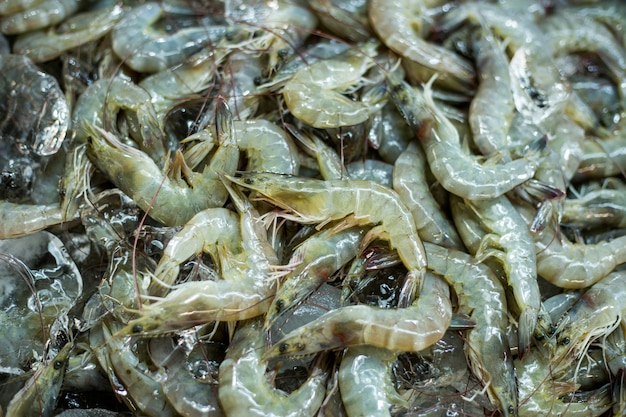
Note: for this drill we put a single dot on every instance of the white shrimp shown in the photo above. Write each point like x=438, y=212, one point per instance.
x=146, y=50
x=314, y=93
x=456, y=170
x=409, y=181
x=403, y=26
x=409, y=329
x=22, y=219
x=44, y=45
x=366, y=383
x=245, y=390
x=363, y=202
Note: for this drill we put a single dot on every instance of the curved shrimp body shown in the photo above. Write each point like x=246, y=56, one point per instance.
x=597, y=313
x=171, y=201
x=574, y=265
x=317, y=258
x=539, y=394
x=314, y=95
x=117, y=358
x=509, y=240
x=118, y=94
x=401, y=25
x=365, y=381
x=146, y=50
x=480, y=294
x=456, y=170
x=409, y=181
x=245, y=390
x=409, y=329
x=41, y=15
x=38, y=397
x=492, y=108
x=202, y=233
x=366, y=202
x=44, y=45
x=267, y=147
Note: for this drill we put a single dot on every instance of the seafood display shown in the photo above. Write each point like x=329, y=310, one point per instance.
x=312, y=208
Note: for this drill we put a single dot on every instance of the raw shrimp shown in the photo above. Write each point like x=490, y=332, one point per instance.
x=267, y=147
x=145, y=49
x=329, y=163
x=574, y=265
x=246, y=292
x=371, y=170
x=398, y=329
x=315, y=260
x=139, y=387
x=39, y=395
x=9, y=7
x=366, y=383
x=491, y=110
x=539, y=393
x=42, y=14
x=348, y=20
x=480, y=294
x=402, y=26
x=22, y=219
x=457, y=171
x=597, y=313
x=409, y=181
x=363, y=202
x=596, y=209
x=102, y=101
x=139, y=176
x=44, y=45
x=245, y=390
x=603, y=157
x=509, y=241
x=314, y=96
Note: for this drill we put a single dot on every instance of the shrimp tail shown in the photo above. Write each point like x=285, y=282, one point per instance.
x=527, y=323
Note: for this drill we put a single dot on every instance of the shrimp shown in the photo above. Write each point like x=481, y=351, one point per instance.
x=509, y=240
x=246, y=292
x=371, y=170
x=365, y=381
x=596, y=209
x=401, y=330
x=402, y=26
x=145, y=49
x=138, y=176
x=45, y=45
x=316, y=259
x=365, y=202
x=138, y=388
x=23, y=219
x=267, y=147
x=313, y=94
x=480, y=294
x=348, y=20
x=574, y=265
x=245, y=390
x=42, y=14
x=491, y=109
x=457, y=171
x=603, y=157
x=539, y=393
x=39, y=395
x=409, y=181
x=597, y=313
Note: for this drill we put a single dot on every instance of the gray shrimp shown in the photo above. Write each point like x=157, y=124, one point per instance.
x=245, y=390
x=41, y=14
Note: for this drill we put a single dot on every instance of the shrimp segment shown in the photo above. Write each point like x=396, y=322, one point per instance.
x=409, y=329
x=317, y=201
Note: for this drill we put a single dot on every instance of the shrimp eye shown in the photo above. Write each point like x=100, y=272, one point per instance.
x=511, y=409
x=258, y=80
x=283, y=53
x=58, y=365
x=280, y=304
x=248, y=181
x=283, y=348
x=565, y=341
x=137, y=328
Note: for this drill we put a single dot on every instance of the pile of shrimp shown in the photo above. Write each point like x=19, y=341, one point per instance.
x=312, y=208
